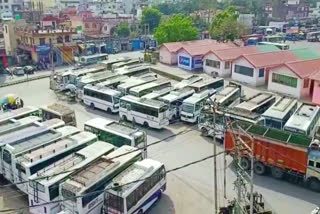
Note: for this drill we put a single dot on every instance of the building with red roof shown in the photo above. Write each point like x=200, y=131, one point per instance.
x=219, y=62
x=299, y=79
x=253, y=69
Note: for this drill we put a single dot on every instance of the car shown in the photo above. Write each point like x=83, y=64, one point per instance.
x=18, y=71
x=29, y=69
x=316, y=211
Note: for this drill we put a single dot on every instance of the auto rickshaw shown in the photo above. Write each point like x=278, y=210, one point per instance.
x=10, y=102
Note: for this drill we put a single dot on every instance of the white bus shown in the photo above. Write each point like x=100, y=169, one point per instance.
x=280, y=112
x=127, y=63
x=19, y=113
x=11, y=124
x=175, y=99
x=37, y=159
x=108, y=63
x=92, y=59
x=113, y=82
x=10, y=152
x=135, y=81
x=158, y=93
x=76, y=75
x=192, y=106
x=229, y=97
x=150, y=113
x=133, y=71
x=45, y=190
x=281, y=46
x=92, y=80
x=147, y=88
x=93, y=179
x=136, y=197
x=211, y=84
x=102, y=98
x=187, y=82
x=304, y=120
x=118, y=134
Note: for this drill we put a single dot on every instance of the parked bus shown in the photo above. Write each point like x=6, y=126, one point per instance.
x=140, y=69
x=313, y=36
x=273, y=39
x=118, y=134
x=148, y=88
x=43, y=193
x=281, y=46
x=10, y=152
x=124, y=195
x=212, y=85
x=92, y=80
x=192, y=106
x=127, y=63
x=59, y=111
x=158, y=93
x=229, y=96
x=113, y=82
x=280, y=112
x=19, y=113
x=134, y=82
x=92, y=59
x=37, y=159
x=304, y=120
x=11, y=124
x=76, y=75
x=93, y=179
x=102, y=98
x=150, y=113
x=108, y=63
x=175, y=99
x=187, y=82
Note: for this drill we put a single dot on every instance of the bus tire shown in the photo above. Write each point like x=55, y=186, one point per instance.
x=277, y=172
x=92, y=106
x=259, y=168
x=245, y=163
x=205, y=132
x=146, y=124
x=314, y=184
x=109, y=110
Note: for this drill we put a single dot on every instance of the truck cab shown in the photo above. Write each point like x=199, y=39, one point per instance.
x=313, y=169
x=59, y=111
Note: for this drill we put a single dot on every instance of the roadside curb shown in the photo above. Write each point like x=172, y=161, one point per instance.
x=25, y=80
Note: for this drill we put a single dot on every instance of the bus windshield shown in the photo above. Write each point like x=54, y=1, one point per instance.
x=187, y=107
x=116, y=100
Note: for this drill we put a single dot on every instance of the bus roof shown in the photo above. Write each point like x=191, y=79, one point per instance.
x=303, y=117
x=158, y=93
x=280, y=108
x=101, y=76
x=16, y=113
x=58, y=109
x=13, y=123
x=143, y=101
x=126, y=71
x=186, y=82
x=120, y=64
x=197, y=97
x=156, y=83
x=41, y=139
x=132, y=82
x=54, y=123
x=112, y=61
x=75, y=161
x=255, y=101
x=113, y=80
x=88, y=70
x=55, y=148
x=94, y=56
x=205, y=82
x=177, y=94
x=103, y=89
x=100, y=169
x=138, y=171
x=222, y=95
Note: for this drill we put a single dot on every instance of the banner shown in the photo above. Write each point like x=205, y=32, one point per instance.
x=184, y=61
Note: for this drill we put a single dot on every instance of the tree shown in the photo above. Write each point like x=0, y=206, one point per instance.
x=151, y=17
x=123, y=30
x=176, y=28
x=225, y=25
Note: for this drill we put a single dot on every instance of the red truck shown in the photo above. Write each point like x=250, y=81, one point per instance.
x=283, y=153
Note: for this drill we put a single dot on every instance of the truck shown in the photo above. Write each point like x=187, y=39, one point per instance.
x=284, y=154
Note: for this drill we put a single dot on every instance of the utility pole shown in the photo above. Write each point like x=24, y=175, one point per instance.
x=215, y=159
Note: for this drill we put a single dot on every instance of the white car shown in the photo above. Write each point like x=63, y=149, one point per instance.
x=316, y=211
x=18, y=71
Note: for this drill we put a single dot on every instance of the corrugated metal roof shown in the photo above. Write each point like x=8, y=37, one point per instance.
x=175, y=46
x=306, y=68
x=203, y=49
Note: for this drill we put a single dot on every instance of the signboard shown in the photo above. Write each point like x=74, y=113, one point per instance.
x=184, y=61
x=79, y=28
x=42, y=49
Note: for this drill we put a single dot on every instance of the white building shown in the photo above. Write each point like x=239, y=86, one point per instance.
x=10, y=5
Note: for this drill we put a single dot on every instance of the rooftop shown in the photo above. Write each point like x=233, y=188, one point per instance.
x=148, y=102
x=280, y=108
x=175, y=46
x=305, y=69
x=222, y=95
x=19, y=111
x=12, y=123
x=254, y=101
x=59, y=108
x=196, y=97
x=103, y=89
x=203, y=49
x=205, y=82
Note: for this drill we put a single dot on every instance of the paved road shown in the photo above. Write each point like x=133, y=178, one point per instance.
x=190, y=190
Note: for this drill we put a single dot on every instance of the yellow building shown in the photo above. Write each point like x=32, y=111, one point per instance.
x=45, y=5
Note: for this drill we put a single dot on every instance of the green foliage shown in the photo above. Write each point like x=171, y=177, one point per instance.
x=225, y=25
x=176, y=28
x=151, y=16
x=122, y=30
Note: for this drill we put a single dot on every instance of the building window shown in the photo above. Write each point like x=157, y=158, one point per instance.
x=42, y=41
x=59, y=39
x=105, y=28
x=305, y=83
x=6, y=6
x=212, y=63
x=227, y=65
x=285, y=80
x=318, y=165
x=311, y=163
x=261, y=72
x=67, y=38
x=86, y=25
x=243, y=70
